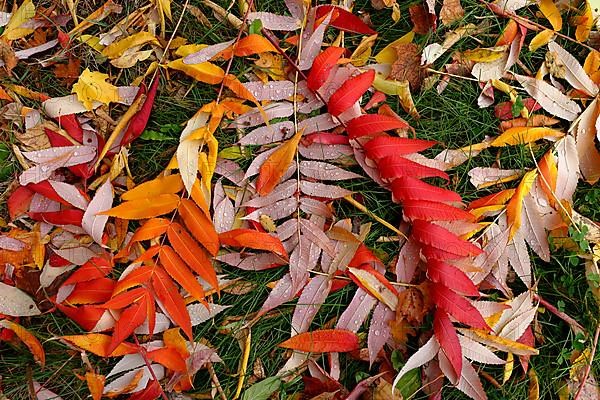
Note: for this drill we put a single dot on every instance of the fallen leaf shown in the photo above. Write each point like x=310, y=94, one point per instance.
x=92, y=86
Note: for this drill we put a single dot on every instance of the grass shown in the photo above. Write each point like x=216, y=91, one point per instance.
x=452, y=118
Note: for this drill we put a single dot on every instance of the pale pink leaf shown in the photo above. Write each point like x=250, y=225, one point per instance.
x=575, y=74
x=475, y=351
x=312, y=46
x=123, y=383
x=425, y=354
x=568, y=168
x=282, y=191
x=533, y=229
x=324, y=171
x=16, y=303
x=518, y=256
x=224, y=216
x=275, y=22
x=69, y=193
x=272, y=133
x=315, y=207
x=586, y=127
x=469, y=382
x=206, y=53
x=550, y=98
x=483, y=176
x=296, y=7
x=357, y=311
x=11, y=244
x=281, y=293
x=255, y=117
x=408, y=260
x=42, y=393
x=278, y=210
x=312, y=297
x=274, y=90
x=379, y=330
x=321, y=122
x=321, y=190
x=319, y=151
x=316, y=235
x=93, y=223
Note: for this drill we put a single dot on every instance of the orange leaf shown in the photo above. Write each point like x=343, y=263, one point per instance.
x=200, y=226
x=175, y=266
x=123, y=300
x=170, y=184
x=193, y=255
x=254, y=240
x=253, y=44
x=172, y=339
x=27, y=337
x=515, y=205
x=132, y=317
x=95, y=383
x=168, y=357
x=323, y=341
x=198, y=197
x=145, y=207
x=97, y=343
x=548, y=174
x=232, y=82
x=276, y=164
x=169, y=296
x=350, y=92
x=151, y=229
x=136, y=277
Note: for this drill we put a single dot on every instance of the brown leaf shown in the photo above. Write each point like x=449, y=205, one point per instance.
x=68, y=72
x=451, y=11
x=421, y=19
x=7, y=54
x=408, y=65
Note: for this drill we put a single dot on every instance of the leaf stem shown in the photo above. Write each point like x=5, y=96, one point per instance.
x=577, y=328
x=147, y=362
x=588, y=367
x=383, y=222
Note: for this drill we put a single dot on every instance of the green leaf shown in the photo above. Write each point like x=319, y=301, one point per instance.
x=155, y=136
x=517, y=106
x=6, y=167
x=255, y=27
x=262, y=390
x=410, y=383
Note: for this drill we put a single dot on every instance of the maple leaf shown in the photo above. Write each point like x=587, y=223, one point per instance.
x=92, y=86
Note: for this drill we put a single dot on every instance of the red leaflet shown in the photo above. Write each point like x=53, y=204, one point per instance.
x=168, y=357
x=371, y=124
x=136, y=277
x=344, y=20
x=18, y=202
x=92, y=292
x=138, y=122
x=70, y=124
x=132, y=317
x=383, y=146
x=393, y=167
x=57, y=140
x=457, y=306
x=45, y=189
x=151, y=392
x=64, y=217
x=254, y=240
x=201, y=227
x=433, y=211
x=433, y=253
x=193, y=255
x=350, y=92
x=450, y=276
x=85, y=316
x=408, y=188
x=447, y=337
x=363, y=256
x=169, y=296
x=323, y=341
x=434, y=235
x=122, y=300
x=322, y=67
x=177, y=269
x=96, y=267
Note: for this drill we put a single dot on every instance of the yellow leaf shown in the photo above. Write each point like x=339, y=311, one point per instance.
x=23, y=14
x=584, y=23
x=498, y=342
x=117, y=49
x=161, y=185
x=524, y=134
x=95, y=383
x=388, y=55
x=92, y=86
x=375, y=287
x=276, y=164
x=188, y=49
x=591, y=66
x=534, y=385
x=361, y=55
x=92, y=41
x=508, y=367
x=399, y=88
x=552, y=14
x=515, y=205
x=143, y=208
x=203, y=72
x=484, y=55
x=541, y=39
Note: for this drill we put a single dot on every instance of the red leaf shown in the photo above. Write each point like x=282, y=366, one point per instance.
x=63, y=217
x=434, y=235
x=192, y=254
x=396, y=166
x=457, y=306
x=344, y=20
x=57, y=140
x=433, y=211
x=18, y=202
x=94, y=268
x=136, y=277
x=504, y=110
x=122, y=300
x=168, y=357
x=152, y=391
x=323, y=341
x=92, y=292
x=177, y=269
x=132, y=317
x=45, y=189
x=383, y=146
x=450, y=276
x=408, y=188
x=169, y=296
x=70, y=123
x=85, y=316
x=322, y=66
x=448, y=338
x=253, y=240
x=140, y=120
x=364, y=256
x=371, y=124
x=324, y=138
x=350, y=92
x=199, y=225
